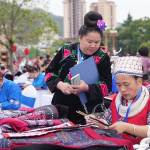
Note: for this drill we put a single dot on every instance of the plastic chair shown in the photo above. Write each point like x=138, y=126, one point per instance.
x=29, y=95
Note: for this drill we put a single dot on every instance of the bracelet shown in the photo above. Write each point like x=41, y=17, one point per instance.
x=133, y=129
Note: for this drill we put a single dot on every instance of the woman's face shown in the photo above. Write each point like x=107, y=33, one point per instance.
x=15, y=68
x=90, y=43
x=33, y=75
x=128, y=86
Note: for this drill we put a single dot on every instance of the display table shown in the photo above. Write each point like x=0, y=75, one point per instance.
x=43, y=98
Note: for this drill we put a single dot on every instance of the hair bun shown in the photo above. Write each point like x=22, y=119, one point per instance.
x=91, y=18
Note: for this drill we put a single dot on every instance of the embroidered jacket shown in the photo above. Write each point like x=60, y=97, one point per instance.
x=10, y=95
x=58, y=70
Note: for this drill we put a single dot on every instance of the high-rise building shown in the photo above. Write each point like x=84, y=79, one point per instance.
x=74, y=11
x=94, y=7
x=108, y=11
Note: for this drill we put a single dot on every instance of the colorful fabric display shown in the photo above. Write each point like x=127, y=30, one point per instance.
x=26, y=118
x=79, y=138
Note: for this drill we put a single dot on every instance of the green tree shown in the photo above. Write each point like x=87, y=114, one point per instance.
x=33, y=52
x=128, y=21
x=60, y=42
x=24, y=26
x=132, y=34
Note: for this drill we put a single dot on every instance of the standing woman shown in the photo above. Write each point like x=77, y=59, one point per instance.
x=58, y=76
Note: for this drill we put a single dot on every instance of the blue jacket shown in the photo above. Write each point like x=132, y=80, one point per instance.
x=10, y=95
x=40, y=81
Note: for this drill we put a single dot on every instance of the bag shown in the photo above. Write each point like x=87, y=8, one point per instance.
x=99, y=110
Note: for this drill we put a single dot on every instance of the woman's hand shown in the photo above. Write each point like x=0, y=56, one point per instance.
x=119, y=126
x=65, y=88
x=101, y=126
x=83, y=87
x=25, y=85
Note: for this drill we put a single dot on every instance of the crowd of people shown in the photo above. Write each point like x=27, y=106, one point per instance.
x=129, y=112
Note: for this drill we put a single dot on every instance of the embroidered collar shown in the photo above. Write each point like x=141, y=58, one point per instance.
x=137, y=106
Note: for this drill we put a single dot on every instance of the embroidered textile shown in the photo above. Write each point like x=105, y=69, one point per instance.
x=50, y=111
x=37, y=115
x=79, y=138
x=32, y=123
x=13, y=114
x=130, y=65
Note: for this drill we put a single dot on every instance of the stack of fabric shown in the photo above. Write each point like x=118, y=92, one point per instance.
x=28, y=127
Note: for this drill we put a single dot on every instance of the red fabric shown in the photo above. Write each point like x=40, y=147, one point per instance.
x=57, y=122
x=28, y=109
x=18, y=125
x=110, y=97
x=139, y=119
x=104, y=89
x=146, y=84
x=120, y=142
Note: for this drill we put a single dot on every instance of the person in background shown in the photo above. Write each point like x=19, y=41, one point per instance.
x=37, y=59
x=37, y=75
x=48, y=59
x=44, y=66
x=6, y=73
x=41, y=61
x=10, y=94
x=144, y=53
x=130, y=109
x=58, y=77
x=56, y=51
x=17, y=72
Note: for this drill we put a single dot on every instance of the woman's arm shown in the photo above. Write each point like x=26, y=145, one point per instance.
x=51, y=75
x=139, y=131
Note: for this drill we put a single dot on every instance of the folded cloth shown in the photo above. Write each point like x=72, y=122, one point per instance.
x=28, y=109
x=17, y=124
x=54, y=111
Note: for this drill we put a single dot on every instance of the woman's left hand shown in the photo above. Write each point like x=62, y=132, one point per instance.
x=83, y=87
x=25, y=85
x=119, y=126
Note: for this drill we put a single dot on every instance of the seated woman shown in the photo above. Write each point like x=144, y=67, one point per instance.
x=6, y=73
x=37, y=75
x=17, y=72
x=130, y=109
x=10, y=94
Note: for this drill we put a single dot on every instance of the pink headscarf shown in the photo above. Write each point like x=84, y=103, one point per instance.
x=16, y=64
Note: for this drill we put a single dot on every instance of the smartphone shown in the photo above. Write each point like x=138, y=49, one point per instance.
x=75, y=80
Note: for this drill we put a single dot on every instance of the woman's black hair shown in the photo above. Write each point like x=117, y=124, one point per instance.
x=90, y=23
x=136, y=77
x=143, y=51
x=31, y=69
